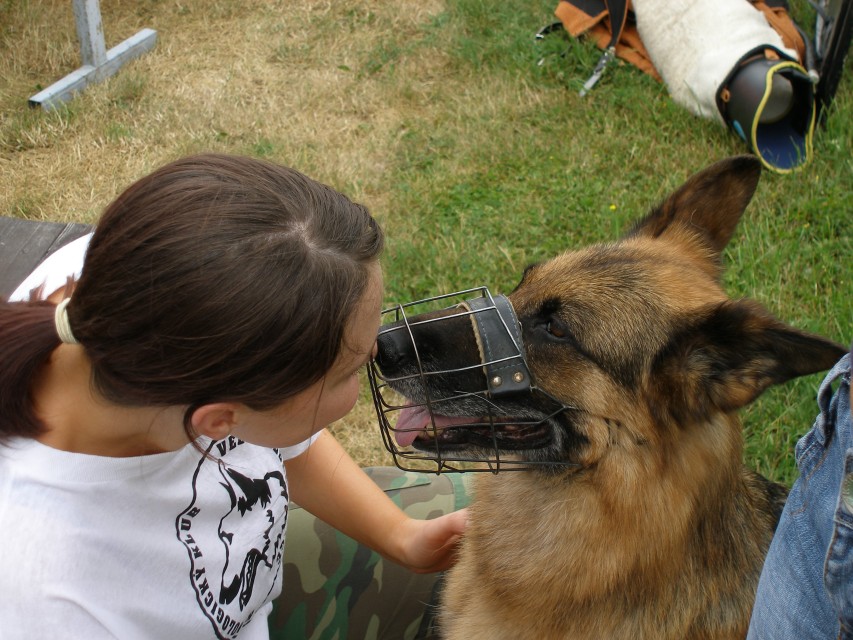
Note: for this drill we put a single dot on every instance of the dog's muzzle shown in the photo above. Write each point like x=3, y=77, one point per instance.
x=434, y=394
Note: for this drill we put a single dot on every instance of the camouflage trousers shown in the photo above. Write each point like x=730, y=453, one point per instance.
x=335, y=588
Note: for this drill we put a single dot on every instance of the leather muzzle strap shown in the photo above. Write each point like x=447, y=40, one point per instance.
x=499, y=340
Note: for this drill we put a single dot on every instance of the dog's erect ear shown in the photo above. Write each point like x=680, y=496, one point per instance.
x=710, y=203
x=729, y=356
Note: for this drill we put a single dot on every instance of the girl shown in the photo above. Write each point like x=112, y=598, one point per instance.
x=223, y=311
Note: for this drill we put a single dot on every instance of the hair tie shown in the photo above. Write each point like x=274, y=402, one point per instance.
x=63, y=326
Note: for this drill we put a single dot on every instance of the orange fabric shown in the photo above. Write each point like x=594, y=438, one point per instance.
x=784, y=26
x=576, y=21
x=631, y=49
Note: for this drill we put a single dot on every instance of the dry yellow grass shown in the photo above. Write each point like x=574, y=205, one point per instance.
x=270, y=78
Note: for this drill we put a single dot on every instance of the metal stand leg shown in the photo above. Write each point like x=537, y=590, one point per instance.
x=98, y=63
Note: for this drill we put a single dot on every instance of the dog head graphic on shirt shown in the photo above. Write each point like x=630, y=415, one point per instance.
x=233, y=530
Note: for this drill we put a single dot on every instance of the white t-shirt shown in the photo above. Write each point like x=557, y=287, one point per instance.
x=55, y=270
x=179, y=545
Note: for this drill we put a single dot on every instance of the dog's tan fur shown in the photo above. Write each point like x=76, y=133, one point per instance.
x=661, y=532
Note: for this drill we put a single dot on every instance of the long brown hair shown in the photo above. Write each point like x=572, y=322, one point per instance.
x=214, y=278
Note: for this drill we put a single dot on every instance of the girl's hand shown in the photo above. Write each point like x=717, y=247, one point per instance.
x=426, y=546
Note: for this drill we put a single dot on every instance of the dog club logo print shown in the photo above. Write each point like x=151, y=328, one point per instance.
x=234, y=532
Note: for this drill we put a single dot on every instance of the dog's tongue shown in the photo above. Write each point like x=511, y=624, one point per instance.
x=413, y=420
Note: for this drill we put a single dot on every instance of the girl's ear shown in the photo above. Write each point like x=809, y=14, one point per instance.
x=216, y=421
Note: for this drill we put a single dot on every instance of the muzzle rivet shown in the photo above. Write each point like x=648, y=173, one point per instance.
x=518, y=376
x=497, y=381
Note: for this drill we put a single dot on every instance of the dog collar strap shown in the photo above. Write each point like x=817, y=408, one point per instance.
x=499, y=340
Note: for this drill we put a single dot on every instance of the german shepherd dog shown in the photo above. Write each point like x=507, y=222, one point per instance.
x=655, y=529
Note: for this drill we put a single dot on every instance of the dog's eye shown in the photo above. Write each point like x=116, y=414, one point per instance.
x=556, y=329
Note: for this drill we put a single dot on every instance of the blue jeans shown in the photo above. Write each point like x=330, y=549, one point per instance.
x=806, y=586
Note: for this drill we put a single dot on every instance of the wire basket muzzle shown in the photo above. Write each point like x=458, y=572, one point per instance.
x=452, y=394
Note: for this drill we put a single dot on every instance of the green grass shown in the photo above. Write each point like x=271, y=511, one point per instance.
x=437, y=115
